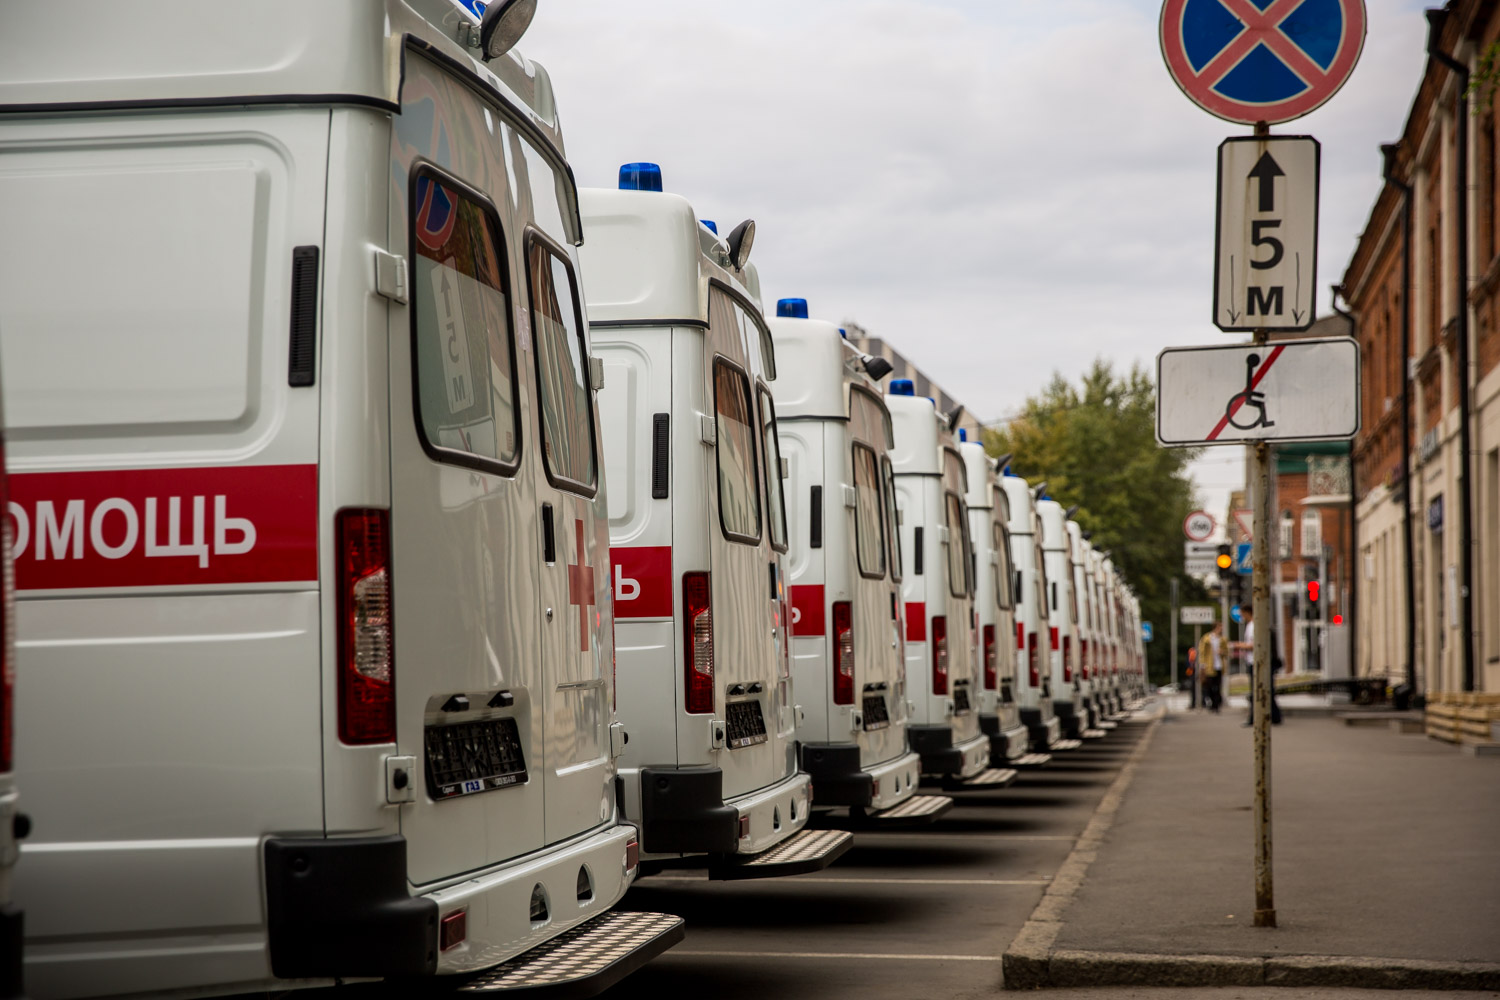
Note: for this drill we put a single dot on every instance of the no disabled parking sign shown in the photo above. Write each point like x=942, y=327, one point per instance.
x=1266, y=61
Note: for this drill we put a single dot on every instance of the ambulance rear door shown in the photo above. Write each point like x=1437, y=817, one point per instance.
x=472, y=690
x=744, y=574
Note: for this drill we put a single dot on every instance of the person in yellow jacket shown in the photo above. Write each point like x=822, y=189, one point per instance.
x=1212, y=650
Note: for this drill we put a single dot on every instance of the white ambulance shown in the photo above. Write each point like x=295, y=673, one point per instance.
x=14, y=824
x=1033, y=667
x=312, y=568
x=1062, y=617
x=1113, y=640
x=844, y=565
x=994, y=609
x=937, y=590
x=698, y=534
x=1087, y=683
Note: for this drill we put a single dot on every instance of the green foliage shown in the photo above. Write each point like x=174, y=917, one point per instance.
x=1095, y=446
x=1484, y=79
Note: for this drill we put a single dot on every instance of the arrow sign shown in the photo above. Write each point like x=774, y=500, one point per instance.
x=1266, y=171
x=1266, y=244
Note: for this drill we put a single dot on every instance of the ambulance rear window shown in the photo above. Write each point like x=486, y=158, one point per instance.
x=562, y=371
x=958, y=547
x=772, y=444
x=461, y=328
x=1002, y=566
x=739, y=487
x=868, y=526
x=893, y=516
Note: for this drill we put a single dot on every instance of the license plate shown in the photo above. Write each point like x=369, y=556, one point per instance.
x=876, y=716
x=960, y=698
x=746, y=726
x=472, y=757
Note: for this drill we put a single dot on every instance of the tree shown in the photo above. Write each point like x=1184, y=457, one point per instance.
x=1095, y=446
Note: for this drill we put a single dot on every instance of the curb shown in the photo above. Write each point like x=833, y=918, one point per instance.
x=1032, y=963
x=1026, y=964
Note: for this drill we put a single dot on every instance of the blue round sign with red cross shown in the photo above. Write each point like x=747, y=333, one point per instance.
x=1266, y=61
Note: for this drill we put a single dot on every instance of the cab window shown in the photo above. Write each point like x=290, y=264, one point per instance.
x=958, y=547
x=739, y=488
x=893, y=518
x=462, y=343
x=869, y=527
x=562, y=370
x=1002, y=567
x=771, y=444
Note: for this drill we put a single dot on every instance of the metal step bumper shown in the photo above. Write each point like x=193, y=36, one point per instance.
x=803, y=852
x=986, y=780
x=584, y=961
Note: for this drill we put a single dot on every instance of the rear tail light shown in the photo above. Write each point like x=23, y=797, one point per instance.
x=7, y=626
x=1067, y=661
x=1031, y=660
x=698, y=659
x=367, y=667
x=991, y=674
x=1052, y=635
x=940, y=655
x=843, y=653
x=632, y=854
x=1083, y=659
x=453, y=930
x=1020, y=635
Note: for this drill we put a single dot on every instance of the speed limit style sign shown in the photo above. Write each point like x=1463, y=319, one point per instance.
x=1199, y=526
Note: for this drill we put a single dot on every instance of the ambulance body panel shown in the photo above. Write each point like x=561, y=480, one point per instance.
x=697, y=530
x=994, y=606
x=844, y=565
x=314, y=592
x=12, y=822
x=1062, y=617
x=937, y=591
x=1033, y=673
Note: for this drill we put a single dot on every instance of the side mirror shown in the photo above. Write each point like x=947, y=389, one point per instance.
x=877, y=368
x=741, y=239
x=502, y=26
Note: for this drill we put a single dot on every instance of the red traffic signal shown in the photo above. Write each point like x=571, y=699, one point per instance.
x=1312, y=591
x=1338, y=619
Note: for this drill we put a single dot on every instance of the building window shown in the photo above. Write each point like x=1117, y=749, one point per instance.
x=1312, y=534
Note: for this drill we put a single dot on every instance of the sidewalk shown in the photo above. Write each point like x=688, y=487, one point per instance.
x=1387, y=866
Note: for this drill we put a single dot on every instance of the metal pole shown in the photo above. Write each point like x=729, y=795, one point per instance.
x=1197, y=694
x=1260, y=564
x=1172, y=587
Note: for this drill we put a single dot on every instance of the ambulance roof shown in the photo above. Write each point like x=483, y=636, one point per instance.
x=99, y=54
x=1054, y=524
x=981, y=474
x=1075, y=537
x=647, y=259
x=920, y=434
x=815, y=365
x=1022, y=504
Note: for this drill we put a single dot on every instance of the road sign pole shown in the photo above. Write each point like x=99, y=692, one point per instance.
x=1172, y=586
x=1261, y=680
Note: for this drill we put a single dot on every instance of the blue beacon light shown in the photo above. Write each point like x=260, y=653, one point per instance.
x=792, y=308
x=710, y=225
x=903, y=387
x=640, y=177
x=963, y=434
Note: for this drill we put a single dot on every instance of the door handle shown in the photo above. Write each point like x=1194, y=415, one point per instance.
x=549, y=537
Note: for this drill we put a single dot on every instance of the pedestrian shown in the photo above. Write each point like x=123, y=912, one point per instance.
x=1247, y=646
x=1212, y=652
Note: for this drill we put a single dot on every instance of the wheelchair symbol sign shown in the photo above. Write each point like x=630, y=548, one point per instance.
x=1294, y=390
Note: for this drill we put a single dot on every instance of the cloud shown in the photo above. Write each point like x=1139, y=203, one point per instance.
x=1000, y=188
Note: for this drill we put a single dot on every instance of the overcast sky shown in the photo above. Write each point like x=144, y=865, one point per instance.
x=999, y=188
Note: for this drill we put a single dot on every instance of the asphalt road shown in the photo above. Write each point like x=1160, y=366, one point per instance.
x=917, y=913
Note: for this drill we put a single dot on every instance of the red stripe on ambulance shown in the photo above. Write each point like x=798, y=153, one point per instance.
x=165, y=527
x=643, y=581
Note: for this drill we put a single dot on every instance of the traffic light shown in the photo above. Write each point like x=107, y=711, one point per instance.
x=1312, y=600
x=1225, y=562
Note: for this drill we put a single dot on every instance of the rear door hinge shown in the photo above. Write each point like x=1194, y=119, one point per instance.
x=390, y=276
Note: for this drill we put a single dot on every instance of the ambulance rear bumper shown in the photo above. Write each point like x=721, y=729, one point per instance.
x=839, y=780
x=940, y=755
x=683, y=811
x=340, y=907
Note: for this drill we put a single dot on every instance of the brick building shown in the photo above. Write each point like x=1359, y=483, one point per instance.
x=1423, y=285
